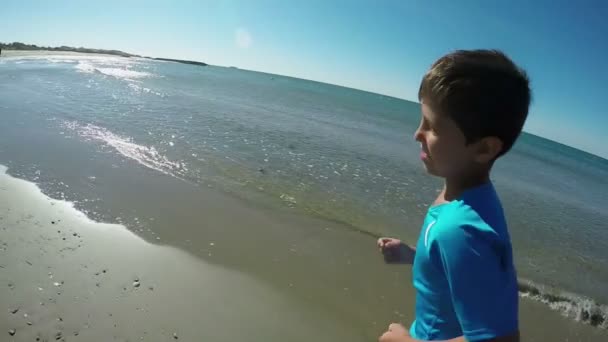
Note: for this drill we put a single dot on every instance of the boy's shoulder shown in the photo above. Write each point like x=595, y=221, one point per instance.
x=476, y=215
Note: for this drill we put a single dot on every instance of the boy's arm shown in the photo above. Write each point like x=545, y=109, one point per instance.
x=474, y=261
x=398, y=333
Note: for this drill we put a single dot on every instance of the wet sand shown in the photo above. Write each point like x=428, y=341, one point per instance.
x=255, y=275
x=65, y=277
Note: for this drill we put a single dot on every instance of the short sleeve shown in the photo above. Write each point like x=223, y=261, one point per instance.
x=473, y=263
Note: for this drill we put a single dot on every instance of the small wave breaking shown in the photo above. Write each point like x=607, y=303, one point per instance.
x=571, y=305
x=120, y=73
x=136, y=88
x=118, y=67
x=144, y=155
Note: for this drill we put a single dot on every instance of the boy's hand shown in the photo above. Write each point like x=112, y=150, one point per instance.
x=395, y=251
x=396, y=333
x=386, y=243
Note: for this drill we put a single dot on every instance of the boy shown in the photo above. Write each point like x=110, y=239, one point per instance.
x=474, y=105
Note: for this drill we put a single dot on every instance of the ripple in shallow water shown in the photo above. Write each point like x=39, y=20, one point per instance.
x=144, y=155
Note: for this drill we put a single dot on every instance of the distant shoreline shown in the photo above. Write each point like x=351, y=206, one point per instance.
x=32, y=47
x=179, y=61
x=16, y=46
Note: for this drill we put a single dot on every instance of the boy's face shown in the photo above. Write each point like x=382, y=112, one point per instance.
x=444, y=151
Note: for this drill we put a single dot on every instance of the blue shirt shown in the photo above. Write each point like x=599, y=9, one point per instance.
x=463, y=271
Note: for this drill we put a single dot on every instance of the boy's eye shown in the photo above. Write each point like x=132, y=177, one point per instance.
x=427, y=125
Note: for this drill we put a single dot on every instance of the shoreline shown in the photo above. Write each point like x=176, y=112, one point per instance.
x=22, y=53
x=312, y=292
x=68, y=277
x=35, y=53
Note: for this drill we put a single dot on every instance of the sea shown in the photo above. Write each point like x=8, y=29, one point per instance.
x=284, y=143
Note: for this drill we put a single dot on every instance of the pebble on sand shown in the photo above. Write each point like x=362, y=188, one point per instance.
x=175, y=336
x=12, y=332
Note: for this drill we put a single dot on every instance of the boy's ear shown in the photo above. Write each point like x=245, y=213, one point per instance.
x=487, y=149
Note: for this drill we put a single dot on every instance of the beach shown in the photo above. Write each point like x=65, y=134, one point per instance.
x=68, y=276
x=132, y=214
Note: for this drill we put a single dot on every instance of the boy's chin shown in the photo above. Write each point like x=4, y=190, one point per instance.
x=431, y=170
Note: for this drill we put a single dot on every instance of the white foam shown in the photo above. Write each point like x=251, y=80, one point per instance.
x=85, y=67
x=577, y=307
x=73, y=58
x=135, y=87
x=120, y=73
x=123, y=73
x=138, y=89
x=113, y=66
x=144, y=155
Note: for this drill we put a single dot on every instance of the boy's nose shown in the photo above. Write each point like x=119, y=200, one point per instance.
x=418, y=135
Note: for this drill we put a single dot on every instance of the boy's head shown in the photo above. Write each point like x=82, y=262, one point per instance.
x=474, y=105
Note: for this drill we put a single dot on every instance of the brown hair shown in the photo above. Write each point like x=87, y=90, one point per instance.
x=483, y=91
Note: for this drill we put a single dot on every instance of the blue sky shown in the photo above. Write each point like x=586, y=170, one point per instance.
x=375, y=45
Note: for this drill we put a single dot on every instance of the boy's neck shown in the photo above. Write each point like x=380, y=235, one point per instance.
x=453, y=188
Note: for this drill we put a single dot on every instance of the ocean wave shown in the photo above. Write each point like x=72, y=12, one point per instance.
x=144, y=155
x=118, y=67
x=120, y=73
x=113, y=66
x=574, y=306
x=123, y=73
x=74, y=58
x=85, y=67
x=138, y=89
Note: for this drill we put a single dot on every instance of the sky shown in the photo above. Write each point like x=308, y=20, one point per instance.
x=376, y=45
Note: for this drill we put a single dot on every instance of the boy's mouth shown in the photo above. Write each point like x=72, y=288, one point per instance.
x=423, y=154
